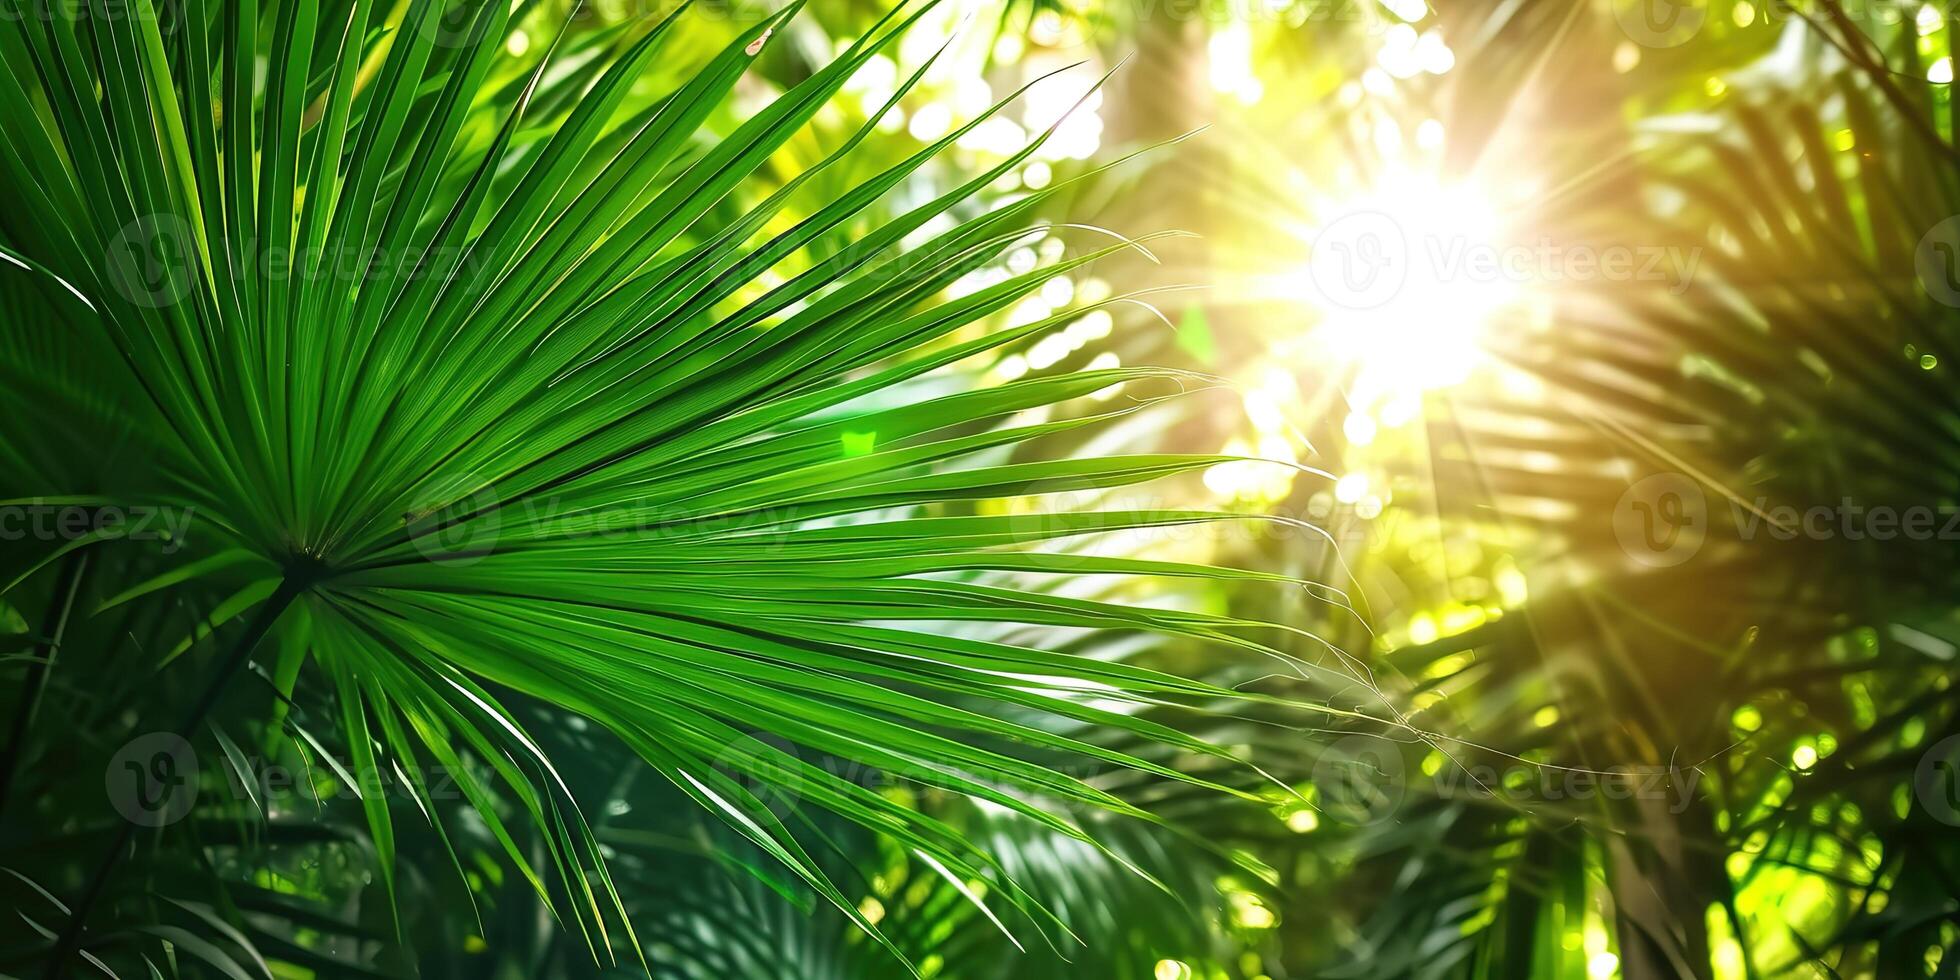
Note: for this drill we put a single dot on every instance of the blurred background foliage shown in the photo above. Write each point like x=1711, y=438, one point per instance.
x=1712, y=767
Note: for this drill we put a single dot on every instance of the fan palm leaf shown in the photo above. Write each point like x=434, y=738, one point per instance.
x=481, y=395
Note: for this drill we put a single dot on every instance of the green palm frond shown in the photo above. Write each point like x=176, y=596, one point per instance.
x=481, y=398
x=1108, y=920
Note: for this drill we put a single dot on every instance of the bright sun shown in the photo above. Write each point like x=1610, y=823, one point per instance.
x=1405, y=280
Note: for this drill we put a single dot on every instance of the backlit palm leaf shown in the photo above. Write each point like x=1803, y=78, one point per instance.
x=479, y=395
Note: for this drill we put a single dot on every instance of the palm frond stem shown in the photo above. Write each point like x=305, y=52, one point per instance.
x=300, y=576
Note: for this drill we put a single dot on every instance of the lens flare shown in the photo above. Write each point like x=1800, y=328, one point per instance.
x=1405, y=280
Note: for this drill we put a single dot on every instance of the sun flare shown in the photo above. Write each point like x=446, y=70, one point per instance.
x=1405, y=281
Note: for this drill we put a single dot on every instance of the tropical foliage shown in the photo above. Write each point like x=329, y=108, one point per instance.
x=544, y=490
